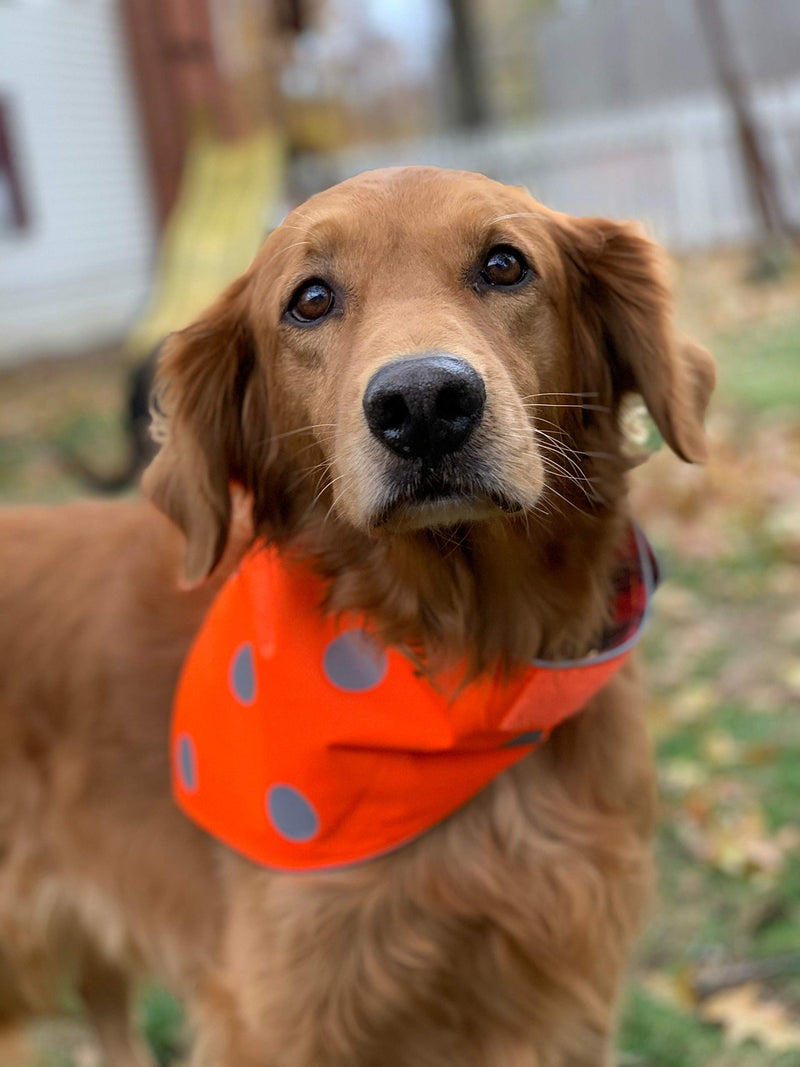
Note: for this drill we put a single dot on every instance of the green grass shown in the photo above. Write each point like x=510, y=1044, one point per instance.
x=653, y=1033
x=759, y=367
x=163, y=1024
x=665, y=1037
x=704, y=913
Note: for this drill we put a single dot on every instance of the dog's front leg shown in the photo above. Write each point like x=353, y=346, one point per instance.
x=106, y=991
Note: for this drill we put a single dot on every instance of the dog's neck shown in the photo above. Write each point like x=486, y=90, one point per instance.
x=486, y=595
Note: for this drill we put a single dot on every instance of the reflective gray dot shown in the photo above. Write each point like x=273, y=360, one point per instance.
x=243, y=674
x=186, y=761
x=354, y=662
x=292, y=815
x=531, y=737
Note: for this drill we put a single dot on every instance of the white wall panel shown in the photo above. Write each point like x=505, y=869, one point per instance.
x=78, y=275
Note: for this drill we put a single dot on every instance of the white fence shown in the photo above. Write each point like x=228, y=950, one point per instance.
x=676, y=167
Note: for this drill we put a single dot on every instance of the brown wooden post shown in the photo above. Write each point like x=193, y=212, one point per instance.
x=159, y=103
x=472, y=106
x=178, y=78
x=757, y=166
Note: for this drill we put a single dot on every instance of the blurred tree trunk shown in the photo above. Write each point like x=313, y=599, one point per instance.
x=757, y=165
x=471, y=95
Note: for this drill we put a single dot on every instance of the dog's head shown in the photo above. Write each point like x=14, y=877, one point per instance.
x=419, y=348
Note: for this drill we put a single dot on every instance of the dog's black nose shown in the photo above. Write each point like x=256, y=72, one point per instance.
x=426, y=406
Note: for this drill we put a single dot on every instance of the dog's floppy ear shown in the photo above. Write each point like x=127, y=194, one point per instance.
x=207, y=391
x=624, y=307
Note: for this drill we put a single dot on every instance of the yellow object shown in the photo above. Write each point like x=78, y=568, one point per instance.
x=214, y=229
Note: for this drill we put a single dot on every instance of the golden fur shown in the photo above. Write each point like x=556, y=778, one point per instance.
x=499, y=938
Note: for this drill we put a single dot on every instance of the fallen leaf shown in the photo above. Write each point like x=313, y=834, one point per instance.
x=721, y=748
x=673, y=988
x=694, y=702
x=745, y=1015
x=790, y=674
x=761, y=755
x=723, y=825
x=681, y=775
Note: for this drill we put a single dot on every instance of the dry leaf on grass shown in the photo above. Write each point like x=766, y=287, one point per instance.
x=790, y=675
x=720, y=748
x=694, y=701
x=723, y=825
x=741, y=847
x=674, y=989
x=745, y=1015
x=679, y=776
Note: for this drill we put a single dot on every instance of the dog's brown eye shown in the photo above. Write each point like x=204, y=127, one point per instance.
x=504, y=266
x=312, y=301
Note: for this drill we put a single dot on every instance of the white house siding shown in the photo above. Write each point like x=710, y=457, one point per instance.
x=77, y=276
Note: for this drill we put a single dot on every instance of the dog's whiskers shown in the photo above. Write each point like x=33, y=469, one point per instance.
x=546, y=440
x=288, y=248
x=325, y=488
x=549, y=422
x=533, y=396
x=337, y=496
x=555, y=468
x=549, y=487
x=302, y=429
x=582, y=407
x=290, y=433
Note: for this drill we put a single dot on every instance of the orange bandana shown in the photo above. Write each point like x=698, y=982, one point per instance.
x=301, y=743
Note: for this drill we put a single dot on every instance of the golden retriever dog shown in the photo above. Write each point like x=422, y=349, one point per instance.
x=473, y=513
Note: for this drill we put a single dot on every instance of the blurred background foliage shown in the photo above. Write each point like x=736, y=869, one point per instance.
x=147, y=145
